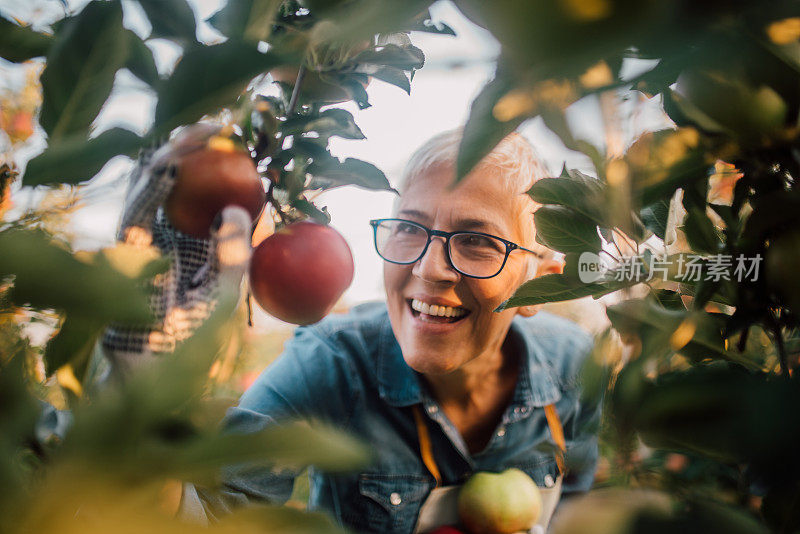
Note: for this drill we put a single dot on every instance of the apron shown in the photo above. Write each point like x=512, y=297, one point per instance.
x=441, y=506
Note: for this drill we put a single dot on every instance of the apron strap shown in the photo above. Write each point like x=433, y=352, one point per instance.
x=557, y=431
x=425, y=448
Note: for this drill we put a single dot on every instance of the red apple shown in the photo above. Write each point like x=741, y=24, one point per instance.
x=298, y=273
x=447, y=530
x=209, y=179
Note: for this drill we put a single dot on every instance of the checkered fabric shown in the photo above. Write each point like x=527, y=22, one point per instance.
x=185, y=295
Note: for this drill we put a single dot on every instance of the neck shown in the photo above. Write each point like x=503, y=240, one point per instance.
x=485, y=376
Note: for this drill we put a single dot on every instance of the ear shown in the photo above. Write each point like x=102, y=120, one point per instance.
x=528, y=311
x=543, y=267
x=549, y=266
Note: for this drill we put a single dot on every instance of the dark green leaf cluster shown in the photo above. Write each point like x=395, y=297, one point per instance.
x=711, y=363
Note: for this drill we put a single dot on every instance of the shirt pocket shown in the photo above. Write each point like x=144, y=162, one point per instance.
x=543, y=471
x=388, y=503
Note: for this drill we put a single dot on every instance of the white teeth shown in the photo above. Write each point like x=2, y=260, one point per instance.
x=440, y=311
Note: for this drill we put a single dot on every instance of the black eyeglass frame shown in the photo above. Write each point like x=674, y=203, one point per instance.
x=510, y=245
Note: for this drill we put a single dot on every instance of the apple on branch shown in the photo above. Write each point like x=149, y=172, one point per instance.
x=298, y=273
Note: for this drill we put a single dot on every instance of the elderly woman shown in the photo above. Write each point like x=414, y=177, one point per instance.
x=435, y=380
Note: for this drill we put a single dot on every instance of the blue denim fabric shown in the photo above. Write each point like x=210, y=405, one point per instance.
x=348, y=370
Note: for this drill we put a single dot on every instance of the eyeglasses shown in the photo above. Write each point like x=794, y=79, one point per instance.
x=473, y=254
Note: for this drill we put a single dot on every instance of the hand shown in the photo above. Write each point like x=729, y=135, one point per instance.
x=185, y=295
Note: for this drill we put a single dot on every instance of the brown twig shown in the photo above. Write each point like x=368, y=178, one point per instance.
x=776, y=333
x=301, y=73
x=274, y=203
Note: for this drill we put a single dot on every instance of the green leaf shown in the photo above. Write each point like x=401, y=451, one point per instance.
x=19, y=413
x=393, y=76
x=206, y=79
x=725, y=413
x=297, y=444
x=76, y=160
x=283, y=519
x=669, y=299
x=309, y=147
x=557, y=288
x=250, y=20
x=661, y=162
x=391, y=55
x=148, y=427
x=556, y=121
x=21, y=43
x=171, y=19
x=683, y=113
x=355, y=21
x=140, y=60
x=700, y=338
x=87, y=52
x=333, y=121
x=654, y=217
x=700, y=232
x=351, y=171
x=74, y=344
x=582, y=193
x=46, y=275
x=483, y=131
x=304, y=206
x=565, y=230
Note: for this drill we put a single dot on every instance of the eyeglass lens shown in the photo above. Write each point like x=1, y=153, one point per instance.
x=471, y=253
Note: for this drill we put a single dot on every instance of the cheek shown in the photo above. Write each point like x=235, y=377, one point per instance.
x=490, y=293
x=394, y=277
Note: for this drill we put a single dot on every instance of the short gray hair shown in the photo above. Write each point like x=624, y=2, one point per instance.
x=513, y=156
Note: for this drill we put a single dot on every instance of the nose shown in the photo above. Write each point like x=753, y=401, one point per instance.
x=434, y=266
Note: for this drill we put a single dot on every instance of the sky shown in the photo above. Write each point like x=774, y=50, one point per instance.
x=397, y=124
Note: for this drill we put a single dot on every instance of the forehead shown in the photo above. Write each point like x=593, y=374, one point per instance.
x=486, y=195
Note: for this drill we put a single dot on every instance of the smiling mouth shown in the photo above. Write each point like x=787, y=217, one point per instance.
x=436, y=314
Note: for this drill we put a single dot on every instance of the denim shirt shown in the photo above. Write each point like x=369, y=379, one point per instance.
x=348, y=370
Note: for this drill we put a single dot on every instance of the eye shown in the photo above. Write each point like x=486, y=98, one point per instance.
x=408, y=228
x=479, y=242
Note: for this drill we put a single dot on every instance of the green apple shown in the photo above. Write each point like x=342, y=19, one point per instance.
x=499, y=503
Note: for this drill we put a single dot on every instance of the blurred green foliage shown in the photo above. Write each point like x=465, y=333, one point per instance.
x=706, y=381
x=706, y=371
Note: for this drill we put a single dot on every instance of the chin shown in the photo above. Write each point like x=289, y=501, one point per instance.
x=431, y=364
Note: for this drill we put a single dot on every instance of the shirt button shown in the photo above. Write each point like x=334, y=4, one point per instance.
x=548, y=481
x=395, y=499
x=433, y=408
x=517, y=409
x=501, y=432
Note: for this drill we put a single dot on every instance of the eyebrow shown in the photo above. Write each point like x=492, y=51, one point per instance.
x=461, y=224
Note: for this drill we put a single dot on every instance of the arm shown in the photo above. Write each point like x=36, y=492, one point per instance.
x=185, y=295
x=311, y=380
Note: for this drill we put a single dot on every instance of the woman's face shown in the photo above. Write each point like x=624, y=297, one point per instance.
x=482, y=202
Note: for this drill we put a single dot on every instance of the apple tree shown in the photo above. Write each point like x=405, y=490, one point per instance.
x=119, y=466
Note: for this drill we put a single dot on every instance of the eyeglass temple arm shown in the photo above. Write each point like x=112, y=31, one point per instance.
x=537, y=254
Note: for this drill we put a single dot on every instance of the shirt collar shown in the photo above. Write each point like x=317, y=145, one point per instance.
x=399, y=385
